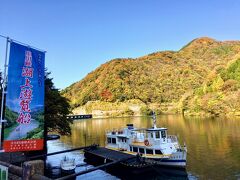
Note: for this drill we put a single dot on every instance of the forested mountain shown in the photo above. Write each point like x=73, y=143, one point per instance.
x=186, y=79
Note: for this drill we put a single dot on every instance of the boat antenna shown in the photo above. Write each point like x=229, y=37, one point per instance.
x=154, y=120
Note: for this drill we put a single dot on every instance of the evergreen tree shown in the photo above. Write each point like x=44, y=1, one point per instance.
x=56, y=109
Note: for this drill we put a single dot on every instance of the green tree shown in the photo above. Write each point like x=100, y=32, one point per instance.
x=1, y=86
x=56, y=109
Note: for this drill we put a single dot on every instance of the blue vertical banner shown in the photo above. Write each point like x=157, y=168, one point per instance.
x=24, y=110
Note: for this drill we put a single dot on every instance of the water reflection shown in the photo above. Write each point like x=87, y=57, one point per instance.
x=213, y=144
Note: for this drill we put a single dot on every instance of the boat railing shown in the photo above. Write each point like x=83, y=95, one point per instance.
x=67, y=161
x=114, y=132
x=172, y=138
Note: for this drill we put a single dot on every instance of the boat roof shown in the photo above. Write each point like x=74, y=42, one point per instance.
x=139, y=129
x=156, y=129
x=122, y=135
x=150, y=129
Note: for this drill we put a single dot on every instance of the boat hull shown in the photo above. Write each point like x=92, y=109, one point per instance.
x=139, y=162
x=66, y=172
x=138, y=171
x=168, y=163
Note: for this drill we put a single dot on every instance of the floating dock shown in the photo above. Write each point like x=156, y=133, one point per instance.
x=107, y=155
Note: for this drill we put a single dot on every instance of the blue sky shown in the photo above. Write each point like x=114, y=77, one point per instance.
x=81, y=35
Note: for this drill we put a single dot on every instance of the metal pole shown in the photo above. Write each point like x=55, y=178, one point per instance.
x=3, y=91
x=19, y=42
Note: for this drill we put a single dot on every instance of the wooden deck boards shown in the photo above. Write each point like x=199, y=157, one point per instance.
x=104, y=153
x=109, y=154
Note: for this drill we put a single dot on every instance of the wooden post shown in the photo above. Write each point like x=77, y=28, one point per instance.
x=30, y=168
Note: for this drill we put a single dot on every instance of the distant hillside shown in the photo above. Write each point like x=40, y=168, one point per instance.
x=219, y=94
x=160, y=78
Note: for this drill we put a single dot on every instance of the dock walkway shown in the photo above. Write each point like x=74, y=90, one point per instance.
x=108, y=154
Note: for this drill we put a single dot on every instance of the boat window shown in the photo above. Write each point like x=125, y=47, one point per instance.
x=135, y=149
x=141, y=150
x=149, y=151
x=157, y=135
x=122, y=140
x=109, y=140
x=151, y=135
x=158, y=152
x=130, y=148
x=163, y=134
x=114, y=140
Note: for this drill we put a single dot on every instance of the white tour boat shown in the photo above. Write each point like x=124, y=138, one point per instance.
x=154, y=145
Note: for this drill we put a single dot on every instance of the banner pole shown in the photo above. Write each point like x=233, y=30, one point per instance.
x=24, y=44
x=3, y=90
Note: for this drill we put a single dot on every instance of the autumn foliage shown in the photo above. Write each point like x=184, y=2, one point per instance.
x=202, y=77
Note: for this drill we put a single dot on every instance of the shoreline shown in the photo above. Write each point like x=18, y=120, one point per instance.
x=173, y=114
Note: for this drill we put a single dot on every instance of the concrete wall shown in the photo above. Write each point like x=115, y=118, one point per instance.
x=30, y=170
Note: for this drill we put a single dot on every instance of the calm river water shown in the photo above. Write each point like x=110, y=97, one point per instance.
x=213, y=145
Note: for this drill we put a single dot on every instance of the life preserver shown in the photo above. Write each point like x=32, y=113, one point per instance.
x=146, y=142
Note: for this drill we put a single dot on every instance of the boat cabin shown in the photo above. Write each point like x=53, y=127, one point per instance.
x=143, y=141
x=157, y=134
